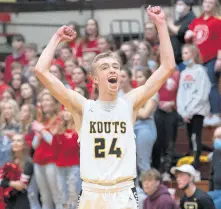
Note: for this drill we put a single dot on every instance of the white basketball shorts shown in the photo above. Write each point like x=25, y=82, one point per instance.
x=119, y=196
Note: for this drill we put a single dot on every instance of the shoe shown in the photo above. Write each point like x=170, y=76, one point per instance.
x=166, y=177
x=197, y=176
x=214, y=121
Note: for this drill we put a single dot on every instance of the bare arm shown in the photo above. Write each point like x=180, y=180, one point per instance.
x=147, y=110
x=70, y=99
x=140, y=95
x=18, y=185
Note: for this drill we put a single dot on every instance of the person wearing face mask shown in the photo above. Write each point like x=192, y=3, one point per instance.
x=193, y=98
x=194, y=198
x=178, y=28
x=205, y=33
x=215, y=177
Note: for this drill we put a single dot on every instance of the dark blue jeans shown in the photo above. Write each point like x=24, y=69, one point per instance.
x=214, y=97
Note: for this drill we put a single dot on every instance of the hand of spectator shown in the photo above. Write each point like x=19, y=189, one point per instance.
x=166, y=106
x=156, y=14
x=186, y=119
x=9, y=133
x=37, y=127
x=66, y=33
x=217, y=67
x=189, y=35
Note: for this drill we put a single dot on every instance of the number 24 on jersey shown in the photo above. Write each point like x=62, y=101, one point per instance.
x=100, y=145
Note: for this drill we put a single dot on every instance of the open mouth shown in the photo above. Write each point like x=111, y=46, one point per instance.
x=112, y=80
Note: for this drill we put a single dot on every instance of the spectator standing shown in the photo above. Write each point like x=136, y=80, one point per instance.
x=18, y=44
x=20, y=157
x=193, y=196
x=215, y=177
x=66, y=149
x=90, y=41
x=79, y=77
x=105, y=44
x=3, y=85
x=9, y=118
x=44, y=167
x=75, y=44
x=166, y=119
x=16, y=83
x=144, y=128
x=178, y=28
x=158, y=195
x=205, y=32
x=129, y=49
x=150, y=35
x=126, y=82
x=58, y=72
x=193, y=98
x=28, y=94
x=69, y=66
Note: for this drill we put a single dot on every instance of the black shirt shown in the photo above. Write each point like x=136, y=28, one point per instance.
x=178, y=40
x=199, y=200
x=215, y=178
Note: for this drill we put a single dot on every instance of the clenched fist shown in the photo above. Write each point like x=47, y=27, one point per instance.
x=156, y=14
x=66, y=33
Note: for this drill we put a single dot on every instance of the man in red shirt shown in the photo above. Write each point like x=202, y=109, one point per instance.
x=17, y=55
x=3, y=86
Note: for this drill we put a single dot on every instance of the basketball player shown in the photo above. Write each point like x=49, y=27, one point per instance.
x=107, y=142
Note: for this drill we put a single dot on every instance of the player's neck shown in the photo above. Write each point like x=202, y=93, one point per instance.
x=107, y=97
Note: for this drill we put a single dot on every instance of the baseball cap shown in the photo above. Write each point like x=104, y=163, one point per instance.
x=186, y=168
x=187, y=2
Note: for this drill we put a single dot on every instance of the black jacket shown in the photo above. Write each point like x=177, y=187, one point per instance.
x=178, y=40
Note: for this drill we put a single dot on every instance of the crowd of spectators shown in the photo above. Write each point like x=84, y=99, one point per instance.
x=38, y=140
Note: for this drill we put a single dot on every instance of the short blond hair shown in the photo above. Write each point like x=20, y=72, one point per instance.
x=151, y=174
x=102, y=56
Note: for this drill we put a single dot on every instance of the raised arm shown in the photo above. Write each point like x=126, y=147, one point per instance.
x=140, y=95
x=70, y=99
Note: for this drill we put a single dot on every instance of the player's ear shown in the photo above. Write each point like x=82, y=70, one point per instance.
x=95, y=79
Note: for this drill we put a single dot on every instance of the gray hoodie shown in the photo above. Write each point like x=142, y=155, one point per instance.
x=193, y=92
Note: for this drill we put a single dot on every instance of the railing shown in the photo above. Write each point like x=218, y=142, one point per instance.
x=59, y=5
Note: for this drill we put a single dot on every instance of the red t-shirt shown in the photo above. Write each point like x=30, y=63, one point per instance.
x=90, y=46
x=58, y=62
x=3, y=87
x=44, y=153
x=168, y=91
x=66, y=149
x=207, y=36
x=75, y=46
x=8, y=62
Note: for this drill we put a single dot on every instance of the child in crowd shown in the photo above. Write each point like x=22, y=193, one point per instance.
x=193, y=97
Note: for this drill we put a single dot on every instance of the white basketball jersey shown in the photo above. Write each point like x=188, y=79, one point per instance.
x=107, y=143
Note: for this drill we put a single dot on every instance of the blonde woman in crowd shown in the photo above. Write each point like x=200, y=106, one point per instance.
x=44, y=167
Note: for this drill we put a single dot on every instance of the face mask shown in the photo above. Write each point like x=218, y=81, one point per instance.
x=187, y=63
x=152, y=64
x=217, y=144
x=180, y=9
